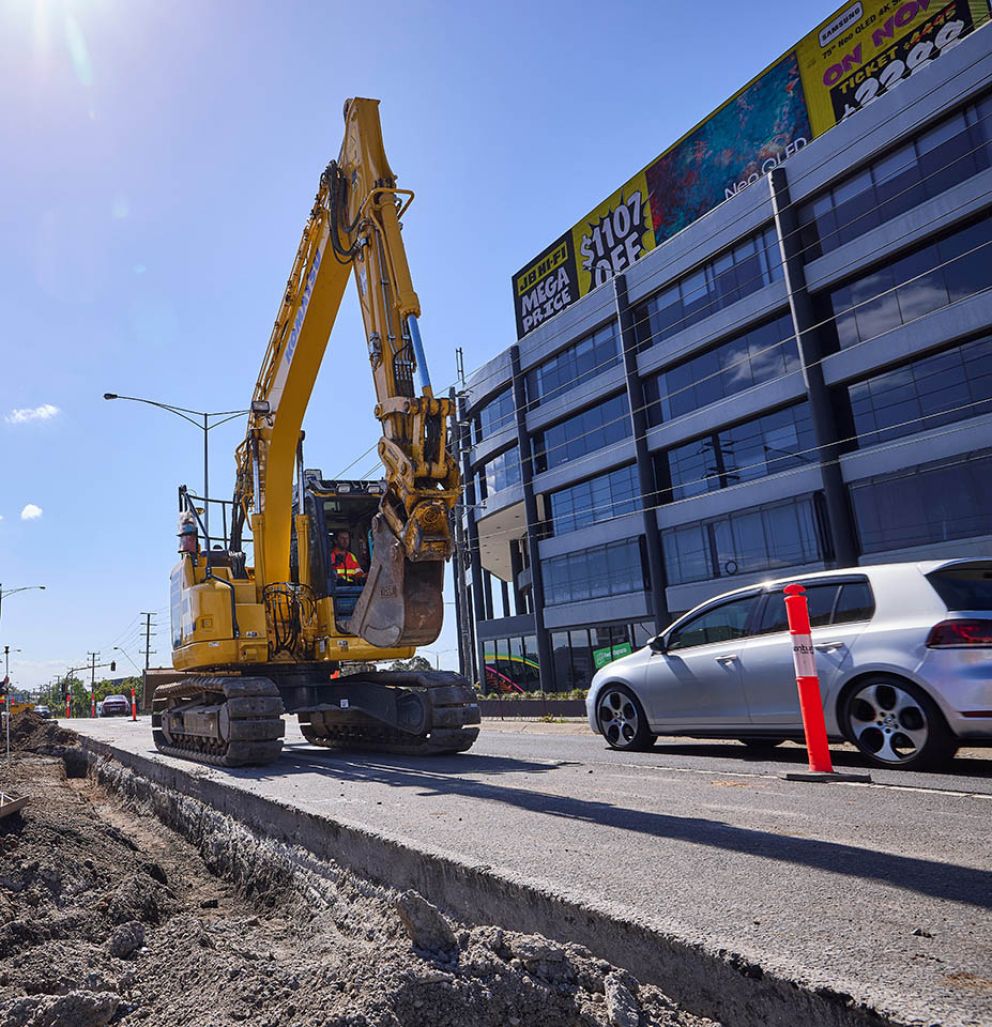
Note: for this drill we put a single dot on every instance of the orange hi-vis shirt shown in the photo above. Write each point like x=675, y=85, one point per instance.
x=346, y=566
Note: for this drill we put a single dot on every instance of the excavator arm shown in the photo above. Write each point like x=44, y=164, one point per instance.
x=354, y=229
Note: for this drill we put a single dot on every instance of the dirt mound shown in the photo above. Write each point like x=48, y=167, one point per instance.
x=108, y=916
x=31, y=733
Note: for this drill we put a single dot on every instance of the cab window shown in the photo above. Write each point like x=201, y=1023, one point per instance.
x=718, y=624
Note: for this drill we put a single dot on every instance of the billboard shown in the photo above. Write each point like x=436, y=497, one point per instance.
x=860, y=52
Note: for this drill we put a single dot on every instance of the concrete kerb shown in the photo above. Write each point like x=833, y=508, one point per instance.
x=719, y=984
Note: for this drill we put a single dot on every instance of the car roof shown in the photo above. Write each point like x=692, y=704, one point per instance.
x=865, y=570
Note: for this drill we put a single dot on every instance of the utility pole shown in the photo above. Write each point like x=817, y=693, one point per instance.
x=462, y=607
x=6, y=693
x=93, y=659
x=148, y=649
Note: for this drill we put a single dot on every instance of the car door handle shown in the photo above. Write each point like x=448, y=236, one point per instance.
x=828, y=647
x=726, y=659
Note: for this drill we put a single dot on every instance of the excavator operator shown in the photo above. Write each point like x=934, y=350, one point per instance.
x=345, y=563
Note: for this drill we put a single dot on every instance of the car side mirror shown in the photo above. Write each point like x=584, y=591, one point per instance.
x=657, y=644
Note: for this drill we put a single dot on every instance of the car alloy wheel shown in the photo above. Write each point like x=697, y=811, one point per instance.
x=896, y=724
x=621, y=719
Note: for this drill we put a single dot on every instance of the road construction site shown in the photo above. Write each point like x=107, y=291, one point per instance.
x=578, y=885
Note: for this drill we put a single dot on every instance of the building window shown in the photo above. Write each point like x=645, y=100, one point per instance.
x=585, y=359
x=948, y=153
x=492, y=418
x=736, y=273
x=937, y=502
x=610, y=570
x=769, y=444
x=598, y=499
x=593, y=429
x=579, y=653
x=929, y=277
x=511, y=664
x=945, y=387
x=765, y=352
x=761, y=538
x=500, y=472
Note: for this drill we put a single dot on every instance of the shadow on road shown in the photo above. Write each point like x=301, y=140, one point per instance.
x=446, y=776
x=960, y=766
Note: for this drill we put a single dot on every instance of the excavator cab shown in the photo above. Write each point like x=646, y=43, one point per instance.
x=333, y=506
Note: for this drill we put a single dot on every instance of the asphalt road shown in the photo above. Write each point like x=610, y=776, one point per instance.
x=881, y=890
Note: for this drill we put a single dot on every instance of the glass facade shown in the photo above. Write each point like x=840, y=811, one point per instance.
x=945, y=387
x=761, y=538
x=758, y=355
x=496, y=415
x=736, y=273
x=593, y=429
x=930, y=277
x=937, y=502
x=502, y=471
x=948, y=153
x=590, y=356
x=512, y=664
x=598, y=499
x=768, y=444
x=611, y=570
x=577, y=652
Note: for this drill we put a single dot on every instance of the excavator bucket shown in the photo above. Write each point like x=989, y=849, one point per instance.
x=402, y=602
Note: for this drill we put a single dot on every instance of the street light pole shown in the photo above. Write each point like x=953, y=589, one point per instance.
x=199, y=419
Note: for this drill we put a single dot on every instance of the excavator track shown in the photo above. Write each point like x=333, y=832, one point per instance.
x=453, y=710
x=244, y=718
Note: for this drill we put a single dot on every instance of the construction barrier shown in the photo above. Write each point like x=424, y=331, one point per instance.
x=68, y=708
x=134, y=706
x=807, y=680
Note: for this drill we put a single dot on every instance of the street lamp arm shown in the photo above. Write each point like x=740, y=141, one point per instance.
x=178, y=411
x=231, y=415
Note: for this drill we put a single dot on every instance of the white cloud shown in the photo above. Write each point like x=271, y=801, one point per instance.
x=31, y=512
x=25, y=414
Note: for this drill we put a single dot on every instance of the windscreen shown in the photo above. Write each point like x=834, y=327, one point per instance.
x=964, y=588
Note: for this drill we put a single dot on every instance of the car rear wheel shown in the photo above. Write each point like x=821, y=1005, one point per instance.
x=896, y=724
x=622, y=721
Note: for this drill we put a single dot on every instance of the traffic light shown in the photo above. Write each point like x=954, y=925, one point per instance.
x=113, y=666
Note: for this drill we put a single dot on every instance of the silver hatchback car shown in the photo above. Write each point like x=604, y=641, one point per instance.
x=903, y=652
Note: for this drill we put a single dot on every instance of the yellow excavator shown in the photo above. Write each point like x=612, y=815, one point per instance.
x=296, y=629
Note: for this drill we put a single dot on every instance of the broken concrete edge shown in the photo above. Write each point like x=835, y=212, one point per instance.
x=723, y=985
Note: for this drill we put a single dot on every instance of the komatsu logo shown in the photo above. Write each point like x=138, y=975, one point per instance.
x=301, y=314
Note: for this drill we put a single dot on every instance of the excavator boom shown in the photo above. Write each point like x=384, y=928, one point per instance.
x=354, y=229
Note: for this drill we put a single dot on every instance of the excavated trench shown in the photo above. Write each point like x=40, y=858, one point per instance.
x=124, y=901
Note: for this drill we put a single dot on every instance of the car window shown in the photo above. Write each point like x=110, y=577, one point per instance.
x=717, y=624
x=821, y=600
x=964, y=588
x=856, y=603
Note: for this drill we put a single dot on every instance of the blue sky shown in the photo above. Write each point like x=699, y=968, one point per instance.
x=158, y=162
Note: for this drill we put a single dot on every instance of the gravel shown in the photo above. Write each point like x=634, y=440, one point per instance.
x=109, y=916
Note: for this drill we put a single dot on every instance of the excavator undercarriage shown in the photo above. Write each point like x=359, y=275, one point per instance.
x=237, y=721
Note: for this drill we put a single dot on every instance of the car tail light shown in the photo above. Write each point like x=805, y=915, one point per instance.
x=959, y=633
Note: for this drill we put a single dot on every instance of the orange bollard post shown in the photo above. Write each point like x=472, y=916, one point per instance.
x=92, y=704
x=134, y=706
x=68, y=708
x=810, y=700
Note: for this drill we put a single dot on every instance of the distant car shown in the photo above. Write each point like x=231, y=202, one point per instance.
x=43, y=711
x=903, y=653
x=115, y=706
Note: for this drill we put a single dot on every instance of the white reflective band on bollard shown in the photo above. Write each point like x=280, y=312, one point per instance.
x=804, y=656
